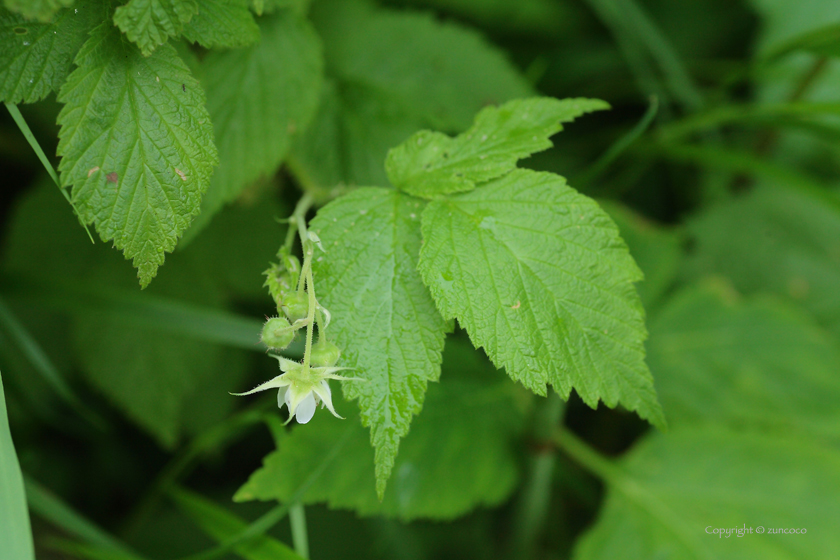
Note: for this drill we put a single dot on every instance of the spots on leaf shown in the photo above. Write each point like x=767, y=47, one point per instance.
x=112, y=177
x=181, y=174
x=93, y=170
x=516, y=305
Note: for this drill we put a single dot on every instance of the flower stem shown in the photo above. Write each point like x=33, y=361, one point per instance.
x=297, y=517
x=299, y=217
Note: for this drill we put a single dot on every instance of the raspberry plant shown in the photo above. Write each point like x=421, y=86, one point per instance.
x=385, y=184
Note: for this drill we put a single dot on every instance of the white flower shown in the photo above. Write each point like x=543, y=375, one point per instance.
x=302, y=388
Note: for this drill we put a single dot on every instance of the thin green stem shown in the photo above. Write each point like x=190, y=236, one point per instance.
x=310, y=327
x=620, y=481
x=647, y=32
x=33, y=142
x=536, y=494
x=297, y=518
x=214, y=439
x=274, y=515
x=627, y=140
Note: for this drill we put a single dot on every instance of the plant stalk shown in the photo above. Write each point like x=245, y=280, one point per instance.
x=297, y=517
x=536, y=494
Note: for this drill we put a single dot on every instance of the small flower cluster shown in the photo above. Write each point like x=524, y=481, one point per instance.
x=302, y=385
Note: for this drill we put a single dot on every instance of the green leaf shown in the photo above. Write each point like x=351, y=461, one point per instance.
x=656, y=249
x=37, y=57
x=383, y=318
x=538, y=275
x=222, y=525
x=222, y=23
x=42, y=10
x=674, y=490
x=458, y=455
x=136, y=144
x=260, y=98
x=776, y=239
x=150, y=23
x=431, y=164
x=15, y=533
x=785, y=24
x=394, y=73
x=758, y=362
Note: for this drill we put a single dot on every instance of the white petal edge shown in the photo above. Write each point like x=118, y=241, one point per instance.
x=306, y=409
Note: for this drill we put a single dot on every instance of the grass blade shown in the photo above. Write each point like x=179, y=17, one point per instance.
x=15, y=532
x=618, y=148
x=221, y=525
x=44, y=366
x=27, y=133
x=47, y=506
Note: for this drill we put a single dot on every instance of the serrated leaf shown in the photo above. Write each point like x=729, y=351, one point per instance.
x=150, y=23
x=222, y=23
x=432, y=164
x=383, y=318
x=136, y=144
x=458, y=455
x=539, y=277
x=758, y=362
x=37, y=57
x=41, y=10
x=395, y=72
x=15, y=532
x=776, y=239
x=260, y=99
x=675, y=490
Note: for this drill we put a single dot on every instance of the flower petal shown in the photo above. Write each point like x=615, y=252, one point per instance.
x=306, y=409
x=322, y=389
x=281, y=397
x=275, y=383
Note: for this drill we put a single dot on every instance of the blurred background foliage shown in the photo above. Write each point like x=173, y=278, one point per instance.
x=720, y=162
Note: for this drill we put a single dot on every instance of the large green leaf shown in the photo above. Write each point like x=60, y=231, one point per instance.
x=15, y=533
x=396, y=72
x=150, y=23
x=431, y=164
x=458, y=455
x=539, y=277
x=675, y=490
x=259, y=98
x=37, y=57
x=136, y=144
x=222, y=23
x=775, y=239
x=760, y=362
x=383, y=317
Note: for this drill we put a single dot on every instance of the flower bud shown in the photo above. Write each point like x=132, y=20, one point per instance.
x=324, y=354
x=277, y=333
x=296, y=306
